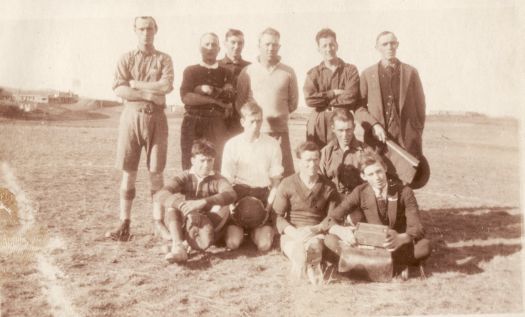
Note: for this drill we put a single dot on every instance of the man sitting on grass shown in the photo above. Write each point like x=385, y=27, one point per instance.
x=379, y=202
x=252, y=162
x=203, y=209
x=301, y=204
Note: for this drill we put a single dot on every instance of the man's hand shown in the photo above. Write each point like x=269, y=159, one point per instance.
x=206, y=90
x=338, y=92
x=395, y=240
x=133, y=84
x=157, y=99
x=189, y=206
x=379, y=132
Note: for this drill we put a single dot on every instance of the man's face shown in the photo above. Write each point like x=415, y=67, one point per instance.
x=269, y=47
x=202, y=165
x=309, y=163
x=327, y=48
x=234, y=45
x=252, y=123
x=387, y=46
x=375, y=175
x=209, y=47
x=344, y=132
x=145, y=30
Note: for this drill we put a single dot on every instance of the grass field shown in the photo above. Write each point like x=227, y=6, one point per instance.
x=57, y=263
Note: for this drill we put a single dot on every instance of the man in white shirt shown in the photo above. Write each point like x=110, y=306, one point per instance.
x=252, y=162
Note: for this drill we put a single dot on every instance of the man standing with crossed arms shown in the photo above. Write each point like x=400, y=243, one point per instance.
x=143, y=77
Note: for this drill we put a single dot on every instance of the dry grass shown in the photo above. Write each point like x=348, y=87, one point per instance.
x=470, y=209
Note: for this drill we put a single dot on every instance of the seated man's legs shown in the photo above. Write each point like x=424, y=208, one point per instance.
x=332, y=252
x=412, y=253
x=262, y=237
x=305, y=256
x=234, y=236
x=174, y=219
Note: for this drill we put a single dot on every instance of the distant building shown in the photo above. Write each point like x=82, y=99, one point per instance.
x=29, y=100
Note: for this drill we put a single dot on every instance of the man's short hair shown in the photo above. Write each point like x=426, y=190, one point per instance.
x=209, y=33
x=306, y=146
x=342, y=115
x=250, y=108
x=269, y=31
x=204, y=147
x=370, y=157
x=384, y=33
x=233, y=32
x=324, y=33
x=146, y=17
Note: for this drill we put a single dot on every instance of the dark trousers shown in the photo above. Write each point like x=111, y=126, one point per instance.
x=211, y=128
x=286, y=149
x=408, y=254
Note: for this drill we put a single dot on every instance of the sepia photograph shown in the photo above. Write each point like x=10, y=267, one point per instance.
x=261, y=158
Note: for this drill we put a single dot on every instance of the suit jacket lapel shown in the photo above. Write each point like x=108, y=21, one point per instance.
x=404, y=80
x=371, y=212
x=376, y=90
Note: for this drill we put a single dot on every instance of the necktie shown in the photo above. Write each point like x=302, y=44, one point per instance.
x=382, y=208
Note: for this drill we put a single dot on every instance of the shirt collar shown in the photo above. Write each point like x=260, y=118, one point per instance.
x=228, y=60
x=394, y=63
x=354, y=144
x=381, y=193
x=146, y=50
x=271, y=68
x=200, y=179
x=214, y=66
x=339, y=63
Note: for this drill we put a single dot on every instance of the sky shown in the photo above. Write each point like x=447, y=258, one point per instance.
x=466, y=52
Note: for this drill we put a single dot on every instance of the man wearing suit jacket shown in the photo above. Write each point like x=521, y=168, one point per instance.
x=380, y=202
x=393, y=94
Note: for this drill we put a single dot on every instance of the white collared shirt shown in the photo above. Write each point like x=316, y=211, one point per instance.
x=252, y=163
x=381, y=193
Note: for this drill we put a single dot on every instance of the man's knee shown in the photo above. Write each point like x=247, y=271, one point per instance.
x=332, y=243
x=422, y=249
x=234, y=237
x=263, y=238
x=127, y=186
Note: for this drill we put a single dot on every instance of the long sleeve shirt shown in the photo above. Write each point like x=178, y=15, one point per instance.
x=252, y=163
x=274, y=89
x=321, y=82
x=215, y=189
x=143, y=66
x=297, y=205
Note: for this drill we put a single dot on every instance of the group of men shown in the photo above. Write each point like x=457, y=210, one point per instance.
x=238, y=175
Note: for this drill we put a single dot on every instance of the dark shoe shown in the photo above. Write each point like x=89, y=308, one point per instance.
x=122, y=233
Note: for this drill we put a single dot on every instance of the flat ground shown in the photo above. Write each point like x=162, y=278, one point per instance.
x=56, y=262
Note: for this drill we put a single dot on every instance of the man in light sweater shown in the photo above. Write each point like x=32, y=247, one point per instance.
x=273, y=86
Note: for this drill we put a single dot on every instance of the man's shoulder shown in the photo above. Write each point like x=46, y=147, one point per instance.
x=193, y=67
x=266, y=139
x=233, y=141
x=370, y=70
x=288, y=182
x=285, y=67
x=162, y=54
x=182, y=176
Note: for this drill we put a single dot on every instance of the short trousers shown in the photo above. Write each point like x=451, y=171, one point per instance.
x=137, y=130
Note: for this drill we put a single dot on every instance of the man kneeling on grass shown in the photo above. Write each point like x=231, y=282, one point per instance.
x=301, y=205
x=381, y=202
x=200, y=215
